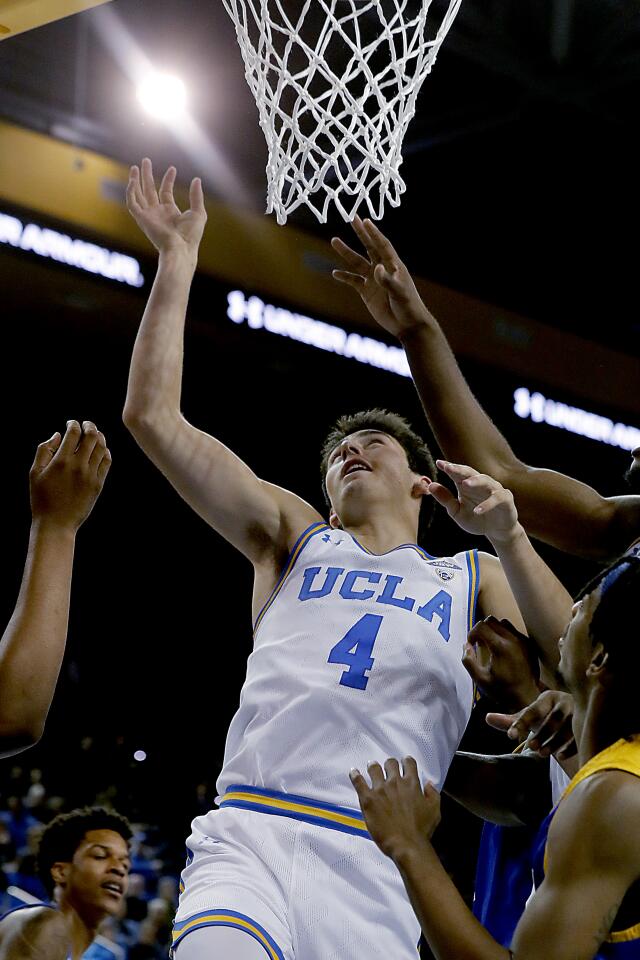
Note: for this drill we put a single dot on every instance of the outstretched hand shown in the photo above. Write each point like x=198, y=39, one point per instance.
x=68, y=474
x=482, y=505
x=547, y=721
x=157, y=214
x=399, y=813
x=382, y=280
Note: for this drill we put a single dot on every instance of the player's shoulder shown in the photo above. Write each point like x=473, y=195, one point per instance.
x=28, y=924
x=600, y=817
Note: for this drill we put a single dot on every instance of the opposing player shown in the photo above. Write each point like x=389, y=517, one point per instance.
x=587, y=858
x=66, y=478
x=83, y=862
x=552, y=507
x=358, y=645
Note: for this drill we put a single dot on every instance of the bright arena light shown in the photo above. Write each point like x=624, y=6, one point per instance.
x=140, y=755
x=163, y=96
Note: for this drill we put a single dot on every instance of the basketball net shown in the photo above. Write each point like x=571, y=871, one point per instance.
x=336, y=82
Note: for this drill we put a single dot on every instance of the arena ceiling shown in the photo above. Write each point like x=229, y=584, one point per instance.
x=521, y=162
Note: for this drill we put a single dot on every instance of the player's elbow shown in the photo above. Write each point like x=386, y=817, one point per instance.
x=139, y=420
x=19, y=733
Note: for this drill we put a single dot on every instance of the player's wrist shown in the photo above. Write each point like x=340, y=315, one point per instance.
x=178, y=253
x=407, y=855
x=507, y=539
x=48, y=526
x=418, y=324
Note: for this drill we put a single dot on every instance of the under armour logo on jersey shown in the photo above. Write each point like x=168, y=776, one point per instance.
x=329, y=539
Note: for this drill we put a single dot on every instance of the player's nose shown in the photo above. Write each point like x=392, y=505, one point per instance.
x=349, y=448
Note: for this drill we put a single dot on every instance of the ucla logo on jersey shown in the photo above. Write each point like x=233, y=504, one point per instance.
x=320, y=582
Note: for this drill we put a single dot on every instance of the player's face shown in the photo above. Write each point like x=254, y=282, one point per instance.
x=575, y=645
x=368, y=464
x=97, y=878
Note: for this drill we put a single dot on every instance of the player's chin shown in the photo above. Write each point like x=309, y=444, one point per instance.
x=109, y=901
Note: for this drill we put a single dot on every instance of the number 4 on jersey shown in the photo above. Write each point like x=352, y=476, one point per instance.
x=354, y=650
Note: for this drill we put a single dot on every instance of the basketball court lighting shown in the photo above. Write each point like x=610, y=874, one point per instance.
x=139, y=755
x=163, y=95
x=200, y=148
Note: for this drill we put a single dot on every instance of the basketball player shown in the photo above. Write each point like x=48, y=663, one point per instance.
x=66, y=478
x=83, y=862
x=587, y=854
x=555, y=508
x=358, y=645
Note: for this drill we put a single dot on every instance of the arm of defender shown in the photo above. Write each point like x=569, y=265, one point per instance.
x=553, y=507
x=65, y=480
x=509, y=789
x=252, y=515
x=484, y=506
x=37, y=934
x=593, y=859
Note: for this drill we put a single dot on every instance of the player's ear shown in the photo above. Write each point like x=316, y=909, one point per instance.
x=60, y=873
x=420, y=487
x=334, y=520
x=599, y=664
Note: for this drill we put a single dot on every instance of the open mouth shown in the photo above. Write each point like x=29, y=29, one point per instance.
x=354, y=466
x=112, y=886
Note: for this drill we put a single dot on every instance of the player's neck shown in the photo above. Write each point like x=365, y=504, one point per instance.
x=597, y=727
x=82, y=929
x=381, y=533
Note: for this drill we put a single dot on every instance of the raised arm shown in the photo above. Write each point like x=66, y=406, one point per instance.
x=256, y=517
x=483, y=506
x=553, y=507
x=66, y=478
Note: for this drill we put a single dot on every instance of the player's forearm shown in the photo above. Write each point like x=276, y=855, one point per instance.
x=33, y=643
x=463, y=430
x=155, y=375
x=448, y=925
x=544, y=602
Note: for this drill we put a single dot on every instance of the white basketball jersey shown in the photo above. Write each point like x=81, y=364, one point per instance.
x=357, y=657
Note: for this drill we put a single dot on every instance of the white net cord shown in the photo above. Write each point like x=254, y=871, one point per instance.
x=336, y=83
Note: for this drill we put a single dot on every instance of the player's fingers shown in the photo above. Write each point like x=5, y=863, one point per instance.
x=359, y=782
x=364, y=238
x=444, y=497
x=196, y=197
x=376, y=773
x=165, y=191
x=105, y=465
x=358, y=263
x=392, y=768
x=88, y=441
x=98, y=452
x=410, y=768
x=45, y=452
x=489, y=504
x=135, y=198
x=148, y=185
x=351, y=279
x=70, y=440
x=383, y=246
x=457, y=471
x=472, y=665
x=556, y=741
x=500, y=721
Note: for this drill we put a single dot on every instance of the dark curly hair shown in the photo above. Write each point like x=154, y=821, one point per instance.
x=418, y=454
x=61, y=838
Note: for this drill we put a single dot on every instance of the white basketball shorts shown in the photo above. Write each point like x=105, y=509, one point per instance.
x=303, y=879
